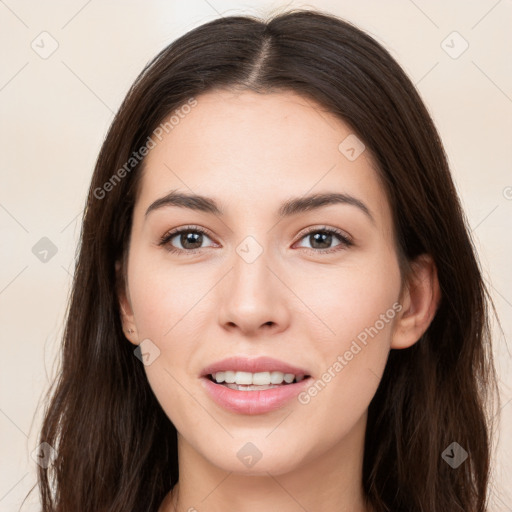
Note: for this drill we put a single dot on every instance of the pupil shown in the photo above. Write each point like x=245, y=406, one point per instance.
x=193, y=238
x=324, y=238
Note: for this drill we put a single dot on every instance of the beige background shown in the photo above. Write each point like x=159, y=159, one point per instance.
x=55, y=111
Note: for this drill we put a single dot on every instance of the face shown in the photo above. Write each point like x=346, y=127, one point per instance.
x=315, y=288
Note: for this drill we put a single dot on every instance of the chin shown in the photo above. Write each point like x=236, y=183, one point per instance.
x=247, y=460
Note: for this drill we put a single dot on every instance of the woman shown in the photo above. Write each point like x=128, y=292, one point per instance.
x=276, y=304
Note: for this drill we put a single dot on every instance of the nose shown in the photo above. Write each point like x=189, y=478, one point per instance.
x=254, y=298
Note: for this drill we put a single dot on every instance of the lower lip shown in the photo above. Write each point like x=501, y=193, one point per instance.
x=253, y=402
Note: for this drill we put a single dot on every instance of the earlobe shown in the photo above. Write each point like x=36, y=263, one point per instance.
x=127, y=317
x=420, y=300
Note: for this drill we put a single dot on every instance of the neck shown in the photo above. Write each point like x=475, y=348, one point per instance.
x=330, y=481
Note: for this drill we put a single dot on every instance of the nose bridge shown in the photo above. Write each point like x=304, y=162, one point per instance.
x=250, y=275
x=251, y=297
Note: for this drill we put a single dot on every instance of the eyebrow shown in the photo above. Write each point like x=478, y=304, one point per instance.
x=289, y=208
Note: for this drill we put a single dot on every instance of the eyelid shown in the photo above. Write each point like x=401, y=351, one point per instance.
x=323, y=227
x=188, y=227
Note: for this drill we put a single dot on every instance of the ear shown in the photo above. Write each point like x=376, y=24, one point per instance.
x=123, y=295
x=419, y=299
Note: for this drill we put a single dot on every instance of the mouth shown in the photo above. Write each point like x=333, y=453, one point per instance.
x=245, y=385
x=254, y=393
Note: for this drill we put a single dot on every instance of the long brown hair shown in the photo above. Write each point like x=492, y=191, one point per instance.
x=116, y=449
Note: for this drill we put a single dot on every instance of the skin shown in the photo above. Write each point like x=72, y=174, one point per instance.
x=250, y=152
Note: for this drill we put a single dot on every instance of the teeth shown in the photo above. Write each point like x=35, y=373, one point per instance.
x=257, y=379
x=250, y=388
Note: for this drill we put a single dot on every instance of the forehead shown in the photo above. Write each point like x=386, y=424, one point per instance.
x=253, y=149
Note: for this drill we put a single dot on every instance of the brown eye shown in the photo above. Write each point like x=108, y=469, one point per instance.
x=321, y=240
x=189, y=239
x=184, y=240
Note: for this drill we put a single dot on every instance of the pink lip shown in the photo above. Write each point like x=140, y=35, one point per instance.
x=253, y=402
x=255, y=365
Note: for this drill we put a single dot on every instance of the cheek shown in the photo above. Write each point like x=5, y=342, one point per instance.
x=163, y=295
x=165, y=305
x=358, y=308
x=350, y=297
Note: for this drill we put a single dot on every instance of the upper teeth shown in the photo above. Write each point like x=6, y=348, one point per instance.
x=258, y=379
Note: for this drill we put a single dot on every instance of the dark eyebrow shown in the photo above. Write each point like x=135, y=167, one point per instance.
x=302, y=204
x=190, y=201
x=288, y=208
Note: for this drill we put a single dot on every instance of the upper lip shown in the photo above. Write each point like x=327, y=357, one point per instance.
x=252, y=365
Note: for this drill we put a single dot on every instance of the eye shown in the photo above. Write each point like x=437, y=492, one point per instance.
x=190, y=238
x=321, y=240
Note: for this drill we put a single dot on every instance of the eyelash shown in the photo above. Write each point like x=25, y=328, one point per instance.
x=345, y=241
